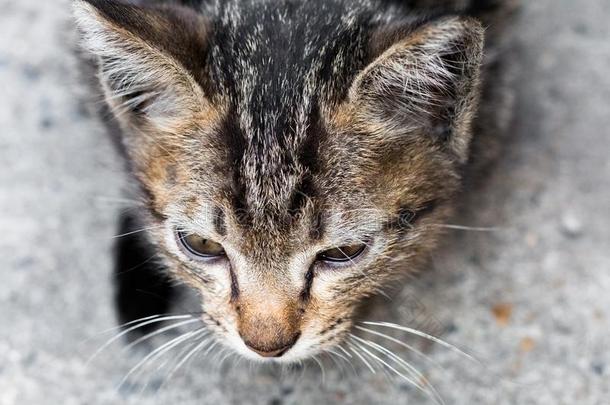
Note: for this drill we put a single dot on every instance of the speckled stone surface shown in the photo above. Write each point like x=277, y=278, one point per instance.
x=529, y=300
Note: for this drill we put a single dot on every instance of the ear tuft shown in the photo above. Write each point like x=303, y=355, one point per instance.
x=426, y=82
x=142, y=78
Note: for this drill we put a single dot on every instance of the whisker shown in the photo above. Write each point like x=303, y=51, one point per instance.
x=347, y=359
x=150, y=228
x=164, y=363
x=315, y=358
x=114, y=328
x=139, y=265
x=227, y=355
x=337, y=354
x=339, y=364
x=153, y=319
x=401, y=343
x=366, y=363
x=199, y=346
x=381, y=367
x=425, y=336
x=156, y=371
x=467, y=228
x=117, y=200
x=159, y=331
x=215, y=359
x=380, y=360
x=158, y=352
x=348, y=354
x=209, y=349
x=406, y=366
x=384, y=215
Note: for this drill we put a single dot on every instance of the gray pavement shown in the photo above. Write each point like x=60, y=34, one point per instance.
x=530, y=300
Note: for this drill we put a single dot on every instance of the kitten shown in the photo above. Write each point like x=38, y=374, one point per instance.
x=294, y=156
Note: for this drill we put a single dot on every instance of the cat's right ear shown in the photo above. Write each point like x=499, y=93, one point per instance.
x=147, y=59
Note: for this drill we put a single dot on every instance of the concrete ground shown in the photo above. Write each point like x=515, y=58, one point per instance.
x=529, y=300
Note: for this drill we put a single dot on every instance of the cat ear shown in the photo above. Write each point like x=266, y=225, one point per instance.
x=146, y=58
x=423, y=82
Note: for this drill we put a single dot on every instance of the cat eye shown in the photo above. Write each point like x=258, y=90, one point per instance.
x=342, y=253
x=197, y=247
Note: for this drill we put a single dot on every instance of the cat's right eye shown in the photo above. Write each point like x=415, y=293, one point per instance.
x=342, y=253
x=197, y=247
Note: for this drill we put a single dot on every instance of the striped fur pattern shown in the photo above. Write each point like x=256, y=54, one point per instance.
x=284, y=128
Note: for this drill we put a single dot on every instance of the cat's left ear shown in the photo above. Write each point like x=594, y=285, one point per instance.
x=149, y=59
x=423, y=82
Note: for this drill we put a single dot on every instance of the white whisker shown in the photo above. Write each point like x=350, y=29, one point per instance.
x=337, y=354
x=401, y=343
x=228, y=354
x=335, y=361
x=150, y=321
x=199, y=346
x=413, y=372
x=467, y=228
x=425, y=336
x=114, y=328
x=159, y=352
x=158, y=332
x=348, y=354
x=150, y=228
x=347, y=359
x=315, y=358
x=366, y=363
x=380, y=360
x=209, y=349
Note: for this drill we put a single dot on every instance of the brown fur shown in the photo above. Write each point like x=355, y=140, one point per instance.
x=379, y=161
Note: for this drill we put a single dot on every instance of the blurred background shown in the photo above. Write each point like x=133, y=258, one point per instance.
x=530, y=300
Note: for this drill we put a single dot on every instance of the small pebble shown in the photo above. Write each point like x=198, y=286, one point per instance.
x=502, y=312
x=531, y=239
x=31, y=73
x=527, y=344
x=451, y=328
x=571, y=226
x=581, y=28
x=46, y=123
x=25, y=263
x=598, y=368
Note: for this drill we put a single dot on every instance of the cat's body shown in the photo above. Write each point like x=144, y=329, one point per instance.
x=294, y=156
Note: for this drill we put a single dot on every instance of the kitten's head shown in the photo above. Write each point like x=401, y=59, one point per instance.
x=295, y=156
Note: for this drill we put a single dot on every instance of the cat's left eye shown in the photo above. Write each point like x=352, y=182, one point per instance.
x=342, y=253
x=197, y=247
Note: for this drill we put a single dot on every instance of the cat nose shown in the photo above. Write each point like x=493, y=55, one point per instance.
x=276, y=351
